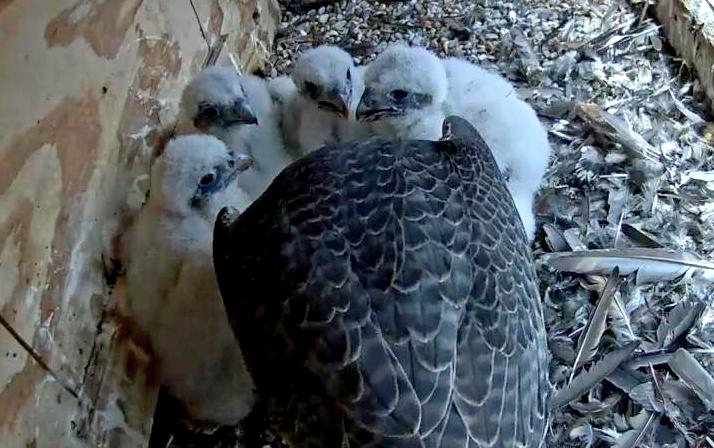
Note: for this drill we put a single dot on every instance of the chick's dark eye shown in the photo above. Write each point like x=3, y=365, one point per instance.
x=207, y=180
x=349, y=74
x=210, y=112
x=310, y=87
x=399, y=94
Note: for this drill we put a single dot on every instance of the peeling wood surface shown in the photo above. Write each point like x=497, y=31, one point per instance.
x=689, y=27
x=89, y=88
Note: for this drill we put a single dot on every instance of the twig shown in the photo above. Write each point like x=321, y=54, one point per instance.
x=200, y=27
x=235, y=64
x=38, y=359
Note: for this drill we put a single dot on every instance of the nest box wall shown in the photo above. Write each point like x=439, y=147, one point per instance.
x=689, y=27
x=87, y=88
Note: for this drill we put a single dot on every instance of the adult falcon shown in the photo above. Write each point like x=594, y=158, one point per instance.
x=384, y=296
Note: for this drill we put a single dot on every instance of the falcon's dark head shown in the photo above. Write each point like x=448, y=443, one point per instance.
x=401, y=80
x=326, y=76
x=193, y=174
x=458, y=132
x=216, y=99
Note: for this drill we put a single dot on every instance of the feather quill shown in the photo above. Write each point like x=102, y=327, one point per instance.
x=651, y=264
x=586, y=380
x=589, y=339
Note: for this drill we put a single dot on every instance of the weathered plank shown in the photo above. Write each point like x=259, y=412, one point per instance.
x=689, y=27
x=88, y=88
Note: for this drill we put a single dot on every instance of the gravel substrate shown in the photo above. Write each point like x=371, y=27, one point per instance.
x=632, y=175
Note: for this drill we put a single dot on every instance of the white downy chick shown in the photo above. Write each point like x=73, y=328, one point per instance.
x=238, y=110
x=328, y=87
x=405, y=88
x=284, y=95
x=409, y=92
x=171, y=287
x=282, y=92
x=507, y=124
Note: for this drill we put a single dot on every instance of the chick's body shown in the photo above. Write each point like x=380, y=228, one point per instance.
x=384, y=296
x=263, y=142
x=238, y=110
x=318, y=107
x=409, y=91
x=171, y=286
x=507, y=124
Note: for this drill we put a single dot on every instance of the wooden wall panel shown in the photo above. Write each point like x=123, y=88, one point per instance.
x=88, y=87
x=689, y=27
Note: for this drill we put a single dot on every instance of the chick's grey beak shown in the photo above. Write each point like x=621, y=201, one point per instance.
x=362, y=110
x=239, y=163
x=337, y=103
x=372, y=108
x=240, y=113
x=242, y=162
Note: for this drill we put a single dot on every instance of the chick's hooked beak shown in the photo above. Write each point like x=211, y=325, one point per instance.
x=373, y=106
x=240, y=113
x=239, y=163
x=336, y=102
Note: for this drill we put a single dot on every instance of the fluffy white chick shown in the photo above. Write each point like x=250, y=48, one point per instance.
x=284, y=94
x=405, y=88
x=409, y=92
x=171, y=287
x=322, y=108
x=238, y=110
x=508, y=124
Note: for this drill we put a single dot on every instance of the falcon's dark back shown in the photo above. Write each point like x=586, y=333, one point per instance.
x=384, y=296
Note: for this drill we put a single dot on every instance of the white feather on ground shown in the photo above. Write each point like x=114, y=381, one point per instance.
x=170, y=281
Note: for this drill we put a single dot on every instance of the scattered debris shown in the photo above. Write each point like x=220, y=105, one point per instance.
x=631, y=177
x=591, y=335
x=586, y=380
x=692, y=373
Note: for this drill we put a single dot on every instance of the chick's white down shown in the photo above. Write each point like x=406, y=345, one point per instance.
x=245, y=120
x=171, y=286
x=438, y=88
x=419, y=73
x=319, y=99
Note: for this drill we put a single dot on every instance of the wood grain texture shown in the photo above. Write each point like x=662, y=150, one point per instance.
x=89, y=89
x=689, y=27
